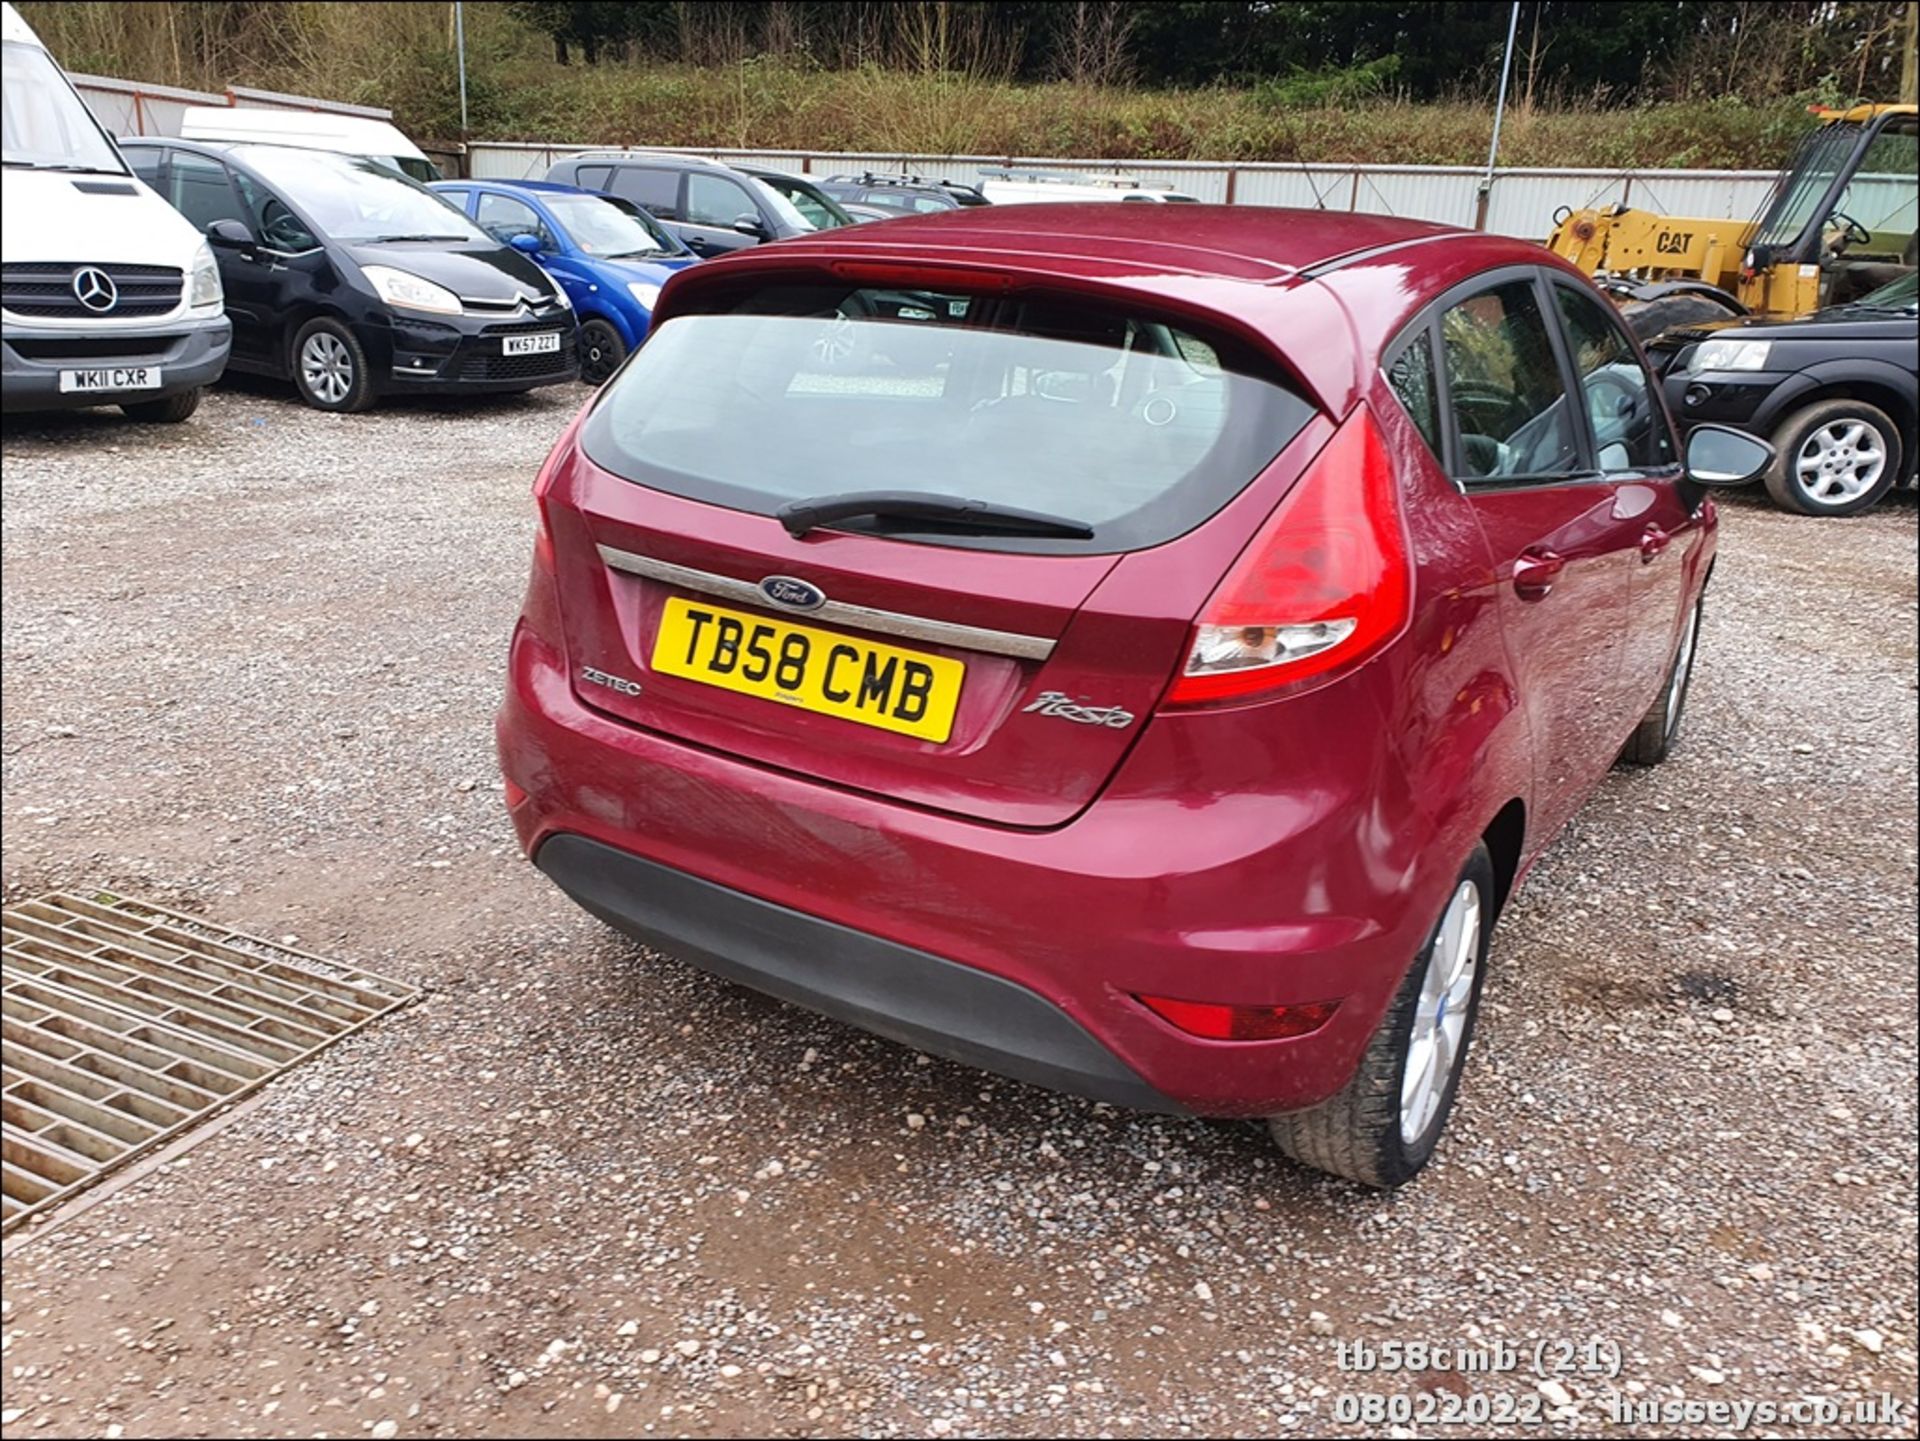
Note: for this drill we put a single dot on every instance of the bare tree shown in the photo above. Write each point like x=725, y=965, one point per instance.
x=784, y=30
x=1093, y=44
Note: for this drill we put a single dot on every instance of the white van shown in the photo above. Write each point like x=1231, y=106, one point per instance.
x=310, y=130
x=1027, y=187
x=107, y=296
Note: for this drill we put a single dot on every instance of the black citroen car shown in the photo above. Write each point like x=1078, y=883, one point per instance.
x=356, y=282
x=1837, y=392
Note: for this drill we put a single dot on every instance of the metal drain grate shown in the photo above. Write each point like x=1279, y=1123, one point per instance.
x=126, y=1024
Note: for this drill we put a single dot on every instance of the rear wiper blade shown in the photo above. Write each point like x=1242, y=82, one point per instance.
x=951, y=511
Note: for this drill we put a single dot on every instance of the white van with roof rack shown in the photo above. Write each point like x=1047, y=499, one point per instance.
x=107, y=296
x=1025, y=187
x=359, y=135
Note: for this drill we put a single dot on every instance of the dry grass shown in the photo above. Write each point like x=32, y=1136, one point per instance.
x=782, y=106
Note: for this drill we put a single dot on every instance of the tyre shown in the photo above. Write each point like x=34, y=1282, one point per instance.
x=168, y=410
x=329, y=368
x=1383, y=1127
x=1648, y=318
x=1836, y=457
x=1653, y=739
x=601, y=351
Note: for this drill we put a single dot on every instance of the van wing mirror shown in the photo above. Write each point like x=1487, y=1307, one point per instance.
x=1720, y=457
x=751, y=225
x=229, y=235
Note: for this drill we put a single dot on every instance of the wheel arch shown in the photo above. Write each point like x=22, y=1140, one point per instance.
x=1505, y=839
x=610, y=315
x=295, y=319
x=1871, y=382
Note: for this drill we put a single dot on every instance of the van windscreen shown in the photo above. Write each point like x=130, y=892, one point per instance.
x=43, y=123
x=1139, y=428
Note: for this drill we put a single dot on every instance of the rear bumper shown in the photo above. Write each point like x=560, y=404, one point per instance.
x=904, y=994
x=190, y=353
x=1313, y=883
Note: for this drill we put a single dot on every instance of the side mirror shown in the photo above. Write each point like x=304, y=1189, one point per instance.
x=751, y=225
x=1722, y=458
x=229, y=235
x=526, y=244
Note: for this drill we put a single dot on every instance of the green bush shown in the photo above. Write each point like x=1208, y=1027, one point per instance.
x=1346, y=85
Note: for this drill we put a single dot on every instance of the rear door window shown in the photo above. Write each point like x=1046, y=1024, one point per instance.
x=200, y=190
x=145, y=162
x=1135, y=427
x=649, y=187
x=1505, y=389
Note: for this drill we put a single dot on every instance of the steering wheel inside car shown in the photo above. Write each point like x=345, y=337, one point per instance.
x=1851, y=230
x=281, y=230
x=1496, y=411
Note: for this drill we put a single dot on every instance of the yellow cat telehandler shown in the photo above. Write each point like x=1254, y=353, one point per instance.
x=1841, y=221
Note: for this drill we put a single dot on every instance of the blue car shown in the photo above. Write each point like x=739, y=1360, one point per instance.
x=610, y=256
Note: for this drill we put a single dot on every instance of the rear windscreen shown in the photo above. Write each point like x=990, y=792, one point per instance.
x=1137, y=428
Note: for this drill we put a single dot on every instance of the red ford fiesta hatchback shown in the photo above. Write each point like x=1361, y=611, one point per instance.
x=1133, y=650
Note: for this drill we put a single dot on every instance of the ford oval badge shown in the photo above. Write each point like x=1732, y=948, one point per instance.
x=785, y=591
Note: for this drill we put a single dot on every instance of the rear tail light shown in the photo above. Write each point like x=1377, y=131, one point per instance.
x=540, y=608
x=1216, y=1022
x=550, y=467
x=1325, y=584
x=542, y=483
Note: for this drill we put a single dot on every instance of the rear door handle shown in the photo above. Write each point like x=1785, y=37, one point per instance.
x=1535, y=572
x=1653, y=541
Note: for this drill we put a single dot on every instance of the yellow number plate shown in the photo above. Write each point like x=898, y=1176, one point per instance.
x=908, y=691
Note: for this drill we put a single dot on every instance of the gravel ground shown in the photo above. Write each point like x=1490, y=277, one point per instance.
x=250, y=664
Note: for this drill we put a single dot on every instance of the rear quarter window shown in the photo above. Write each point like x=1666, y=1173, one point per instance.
x=651, y=188
x=1411, y=376
x=1137, y=427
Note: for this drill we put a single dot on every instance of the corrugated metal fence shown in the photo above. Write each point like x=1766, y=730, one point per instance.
x=1522, y=202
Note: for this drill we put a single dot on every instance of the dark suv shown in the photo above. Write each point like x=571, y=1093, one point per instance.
x=903, y=194
x=1835, y=391
x=712, y=207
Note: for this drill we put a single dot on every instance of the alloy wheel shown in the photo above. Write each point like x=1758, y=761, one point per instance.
x=1682, y=669
x=1841, y=461
x=1440, y=1019
x=327, y=367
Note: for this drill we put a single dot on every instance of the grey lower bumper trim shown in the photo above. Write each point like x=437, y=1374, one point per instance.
x=190, y=354
x=920, y=1000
